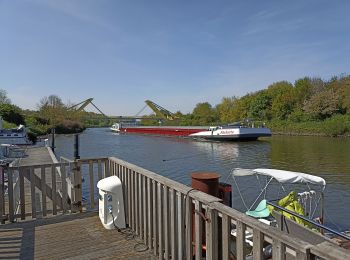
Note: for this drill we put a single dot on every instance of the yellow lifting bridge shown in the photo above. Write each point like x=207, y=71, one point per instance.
x=160, y=112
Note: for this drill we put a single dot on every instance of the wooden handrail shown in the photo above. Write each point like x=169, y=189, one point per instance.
x=174, y=220
x=214, y=211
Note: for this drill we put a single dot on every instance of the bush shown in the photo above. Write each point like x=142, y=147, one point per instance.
x=69, y=127
x=32, y=137
x=11, y=114
x=8, y=125
x=337, y=125
x=298, y=116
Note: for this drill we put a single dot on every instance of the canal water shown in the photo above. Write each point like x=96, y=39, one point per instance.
x=176, y=158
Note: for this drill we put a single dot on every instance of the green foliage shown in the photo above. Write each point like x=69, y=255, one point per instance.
x=337, y=125
x=260, y=105
x=8, y=125
x=11, y=113
x=68, y=127
x=204, y=114
x=298, y=115
x=302, y=91
x=32, y=137
x=283, y=99
x=310, y=106
x=226, y=109
x=36, y=124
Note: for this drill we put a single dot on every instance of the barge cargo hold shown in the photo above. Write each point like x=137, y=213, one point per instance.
x=157, y=130
x=233, y=132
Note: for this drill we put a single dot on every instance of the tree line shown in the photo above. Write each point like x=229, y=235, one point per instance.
x=51, y=113
x=309, y=106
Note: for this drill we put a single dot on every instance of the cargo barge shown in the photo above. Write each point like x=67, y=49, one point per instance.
x=231, y=132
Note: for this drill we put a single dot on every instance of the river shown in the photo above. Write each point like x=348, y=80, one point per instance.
x=176, y=158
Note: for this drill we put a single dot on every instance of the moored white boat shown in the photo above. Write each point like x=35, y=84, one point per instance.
x=16, y=136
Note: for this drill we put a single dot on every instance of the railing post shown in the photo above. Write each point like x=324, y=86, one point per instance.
x=43, y=190
x=278, y=250
x=32, y=193
x=77, y=202
x=211, y=226
x=22, y=194
x=2, y=195
x=198, y=230
x=258, y=242
x=226, y=236
x=10, y=195
x=53, y=131
x=92, y=184
x=189, y=238
x=240, y=240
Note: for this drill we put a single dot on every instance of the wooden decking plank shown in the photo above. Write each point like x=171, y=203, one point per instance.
x=87, y=240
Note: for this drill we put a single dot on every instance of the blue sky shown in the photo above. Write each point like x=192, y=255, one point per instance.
x=176, y=53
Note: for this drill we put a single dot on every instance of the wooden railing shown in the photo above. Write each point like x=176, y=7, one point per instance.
x=39, y=190
x=173, y=220
x=177, y=222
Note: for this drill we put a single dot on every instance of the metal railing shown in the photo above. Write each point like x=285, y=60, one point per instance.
x=314, y=223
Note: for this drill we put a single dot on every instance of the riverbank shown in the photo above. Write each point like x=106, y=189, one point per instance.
x=337, y=126
x=308, y=134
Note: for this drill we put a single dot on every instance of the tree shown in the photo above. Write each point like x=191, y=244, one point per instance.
x=204, y=114
x=241, y=108
x=317, y=86
x=323, y=104
x=226, y=109
x=260, y=105
x=341, y=86
x=3, y=97
x=52, y=109
x=302, y=91
x=278, y=88
x=11, y=113
x=52, y=101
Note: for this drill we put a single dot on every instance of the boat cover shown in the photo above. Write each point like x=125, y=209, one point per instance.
x=282, y=176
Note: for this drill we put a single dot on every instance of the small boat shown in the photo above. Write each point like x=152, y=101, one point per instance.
x=292, y=202
x=16, y=136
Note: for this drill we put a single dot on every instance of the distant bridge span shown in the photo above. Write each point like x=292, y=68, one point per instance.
x=160, y=112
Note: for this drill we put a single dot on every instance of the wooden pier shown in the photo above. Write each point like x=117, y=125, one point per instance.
x=172, y=219
x=76, y=236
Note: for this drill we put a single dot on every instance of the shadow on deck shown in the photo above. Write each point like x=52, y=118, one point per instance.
x=76, y=236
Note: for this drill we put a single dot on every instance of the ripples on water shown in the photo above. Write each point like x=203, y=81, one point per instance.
x=176, y=158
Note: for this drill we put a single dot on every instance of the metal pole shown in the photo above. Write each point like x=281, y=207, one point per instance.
x=76, y=147
x=53, y=139
x=2, y=190
x=77, y=182
x=310, y=221
x=322, y=212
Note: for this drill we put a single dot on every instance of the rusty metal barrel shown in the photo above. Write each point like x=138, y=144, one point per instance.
x=207, y=182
